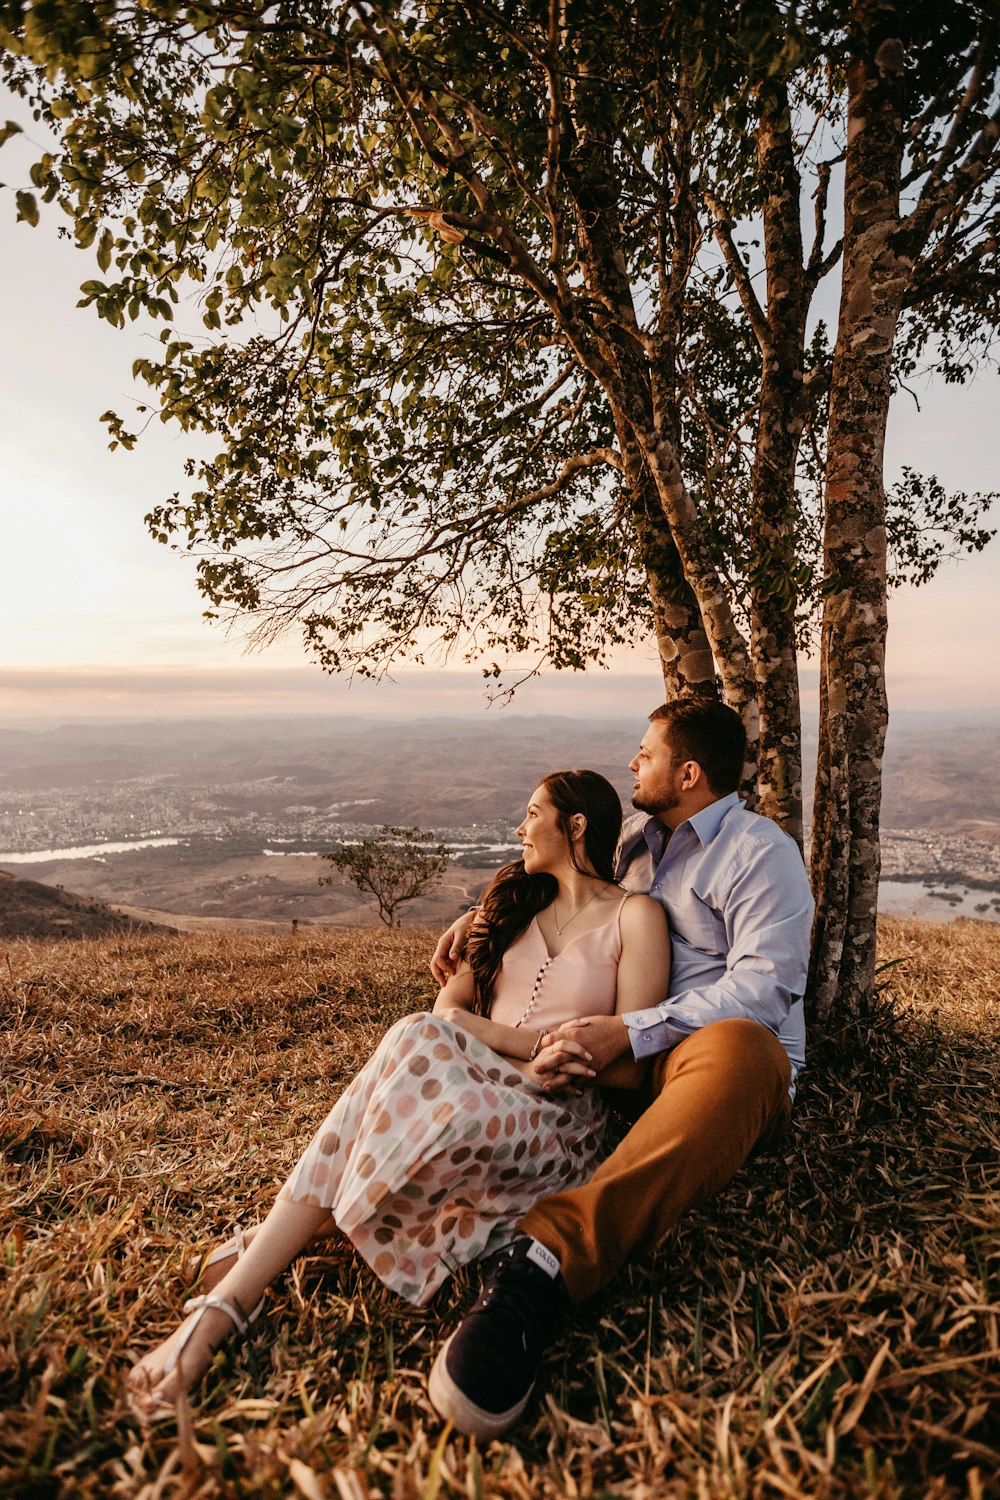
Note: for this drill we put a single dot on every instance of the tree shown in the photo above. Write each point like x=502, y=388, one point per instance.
x=891, y=253
x=395, y=866
x=484, y=377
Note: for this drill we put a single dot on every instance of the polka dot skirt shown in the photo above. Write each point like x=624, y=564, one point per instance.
x=436, y=1149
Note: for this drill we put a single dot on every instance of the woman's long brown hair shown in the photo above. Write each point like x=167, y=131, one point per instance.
x=514, y=896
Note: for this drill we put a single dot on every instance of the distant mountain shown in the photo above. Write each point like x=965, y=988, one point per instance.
x=228, y=818
x=437, y=773
x=31, y=910
x=941, y=770
x=946, y=777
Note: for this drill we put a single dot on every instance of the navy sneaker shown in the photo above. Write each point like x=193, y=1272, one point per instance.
x=483, y=1375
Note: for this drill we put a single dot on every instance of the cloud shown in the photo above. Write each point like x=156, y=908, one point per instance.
x=56, y=693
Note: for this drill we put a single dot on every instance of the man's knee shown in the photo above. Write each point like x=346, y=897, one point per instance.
x=735, y=1052
x=735, y=1042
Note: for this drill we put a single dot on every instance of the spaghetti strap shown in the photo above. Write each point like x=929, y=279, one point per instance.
x=621, y=908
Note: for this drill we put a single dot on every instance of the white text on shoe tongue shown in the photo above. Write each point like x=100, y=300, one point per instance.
x=544, y=1258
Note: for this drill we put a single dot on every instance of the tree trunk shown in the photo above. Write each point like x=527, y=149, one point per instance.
x=688, y=531
x=682, y=645
x=845, y=847
x=773, y=512
x=645, y=403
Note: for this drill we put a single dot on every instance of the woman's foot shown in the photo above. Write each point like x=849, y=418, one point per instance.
x=176, y=1365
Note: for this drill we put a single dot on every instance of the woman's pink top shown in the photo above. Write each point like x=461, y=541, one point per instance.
x=536, y=990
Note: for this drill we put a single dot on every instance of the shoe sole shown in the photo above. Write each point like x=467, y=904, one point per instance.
x=451, y=1402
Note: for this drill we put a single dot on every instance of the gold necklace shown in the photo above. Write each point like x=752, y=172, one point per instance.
x=579, y=910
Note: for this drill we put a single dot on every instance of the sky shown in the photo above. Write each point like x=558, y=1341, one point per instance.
x=96, y=619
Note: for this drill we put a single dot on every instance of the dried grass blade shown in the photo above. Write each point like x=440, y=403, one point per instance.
x=860, y=1401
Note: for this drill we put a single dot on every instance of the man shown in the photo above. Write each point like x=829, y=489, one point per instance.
x=725, y=1045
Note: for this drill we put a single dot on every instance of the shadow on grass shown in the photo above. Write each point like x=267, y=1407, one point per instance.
x=827, y=1326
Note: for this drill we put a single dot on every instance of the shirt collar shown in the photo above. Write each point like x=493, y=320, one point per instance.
x=640, y=828
x=656, y=838
x=643, y=828
x=708, y=821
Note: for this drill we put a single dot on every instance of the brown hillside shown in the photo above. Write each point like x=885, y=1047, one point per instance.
x=826, y=1327
x=31, y=910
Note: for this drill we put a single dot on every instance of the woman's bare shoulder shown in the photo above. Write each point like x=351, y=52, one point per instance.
x=642, y=915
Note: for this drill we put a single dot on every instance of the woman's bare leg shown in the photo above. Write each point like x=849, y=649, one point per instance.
x=213, y=1271
x=284, y=1234
x=156, y=1380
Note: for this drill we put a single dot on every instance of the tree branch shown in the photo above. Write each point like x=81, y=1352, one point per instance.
x=819, y=264
x=941, y=196
x=573, y=466
x=740, y=273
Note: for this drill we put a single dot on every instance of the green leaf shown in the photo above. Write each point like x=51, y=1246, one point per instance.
x=27, y=208
x=104, y=245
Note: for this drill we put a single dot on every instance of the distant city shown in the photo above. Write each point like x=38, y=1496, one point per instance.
x=230, y=820
x=150, y=812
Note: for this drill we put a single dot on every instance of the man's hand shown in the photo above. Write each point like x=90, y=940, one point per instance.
x=451, y=948
x=558, y=1063
x=578, y=1051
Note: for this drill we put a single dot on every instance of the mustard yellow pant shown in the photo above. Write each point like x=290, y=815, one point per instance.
x=713, y=1099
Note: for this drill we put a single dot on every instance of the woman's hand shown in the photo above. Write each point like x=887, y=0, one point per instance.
x=451, y=948
x=560, y=1062
x=600, y=1040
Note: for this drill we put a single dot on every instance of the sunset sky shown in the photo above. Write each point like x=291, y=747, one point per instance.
x=97, y=619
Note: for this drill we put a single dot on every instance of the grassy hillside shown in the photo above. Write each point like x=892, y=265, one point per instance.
x=31, y=910
x=827, y=1327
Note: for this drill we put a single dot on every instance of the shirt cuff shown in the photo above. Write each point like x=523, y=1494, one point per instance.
x=649, y=1033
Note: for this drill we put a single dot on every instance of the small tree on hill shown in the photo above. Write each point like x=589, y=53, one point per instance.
x=395, y=866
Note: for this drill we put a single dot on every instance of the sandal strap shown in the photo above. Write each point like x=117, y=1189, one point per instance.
x=235, y=1245
x=201, y=1305
x=195, y=1304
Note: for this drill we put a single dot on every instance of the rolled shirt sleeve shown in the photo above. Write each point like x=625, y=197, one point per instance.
x=762, y=902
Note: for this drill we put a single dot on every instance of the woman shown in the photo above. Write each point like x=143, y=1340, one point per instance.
x=461, y=1118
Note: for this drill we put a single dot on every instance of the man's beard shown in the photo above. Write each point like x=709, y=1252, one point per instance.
x=658, y=807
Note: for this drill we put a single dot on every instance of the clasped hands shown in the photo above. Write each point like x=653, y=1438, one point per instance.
x=578, y=1051
x=575, y=1053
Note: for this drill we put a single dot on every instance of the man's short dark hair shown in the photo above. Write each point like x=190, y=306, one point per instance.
x=709, y=732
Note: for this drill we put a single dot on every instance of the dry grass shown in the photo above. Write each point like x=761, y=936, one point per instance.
x=827, y=1327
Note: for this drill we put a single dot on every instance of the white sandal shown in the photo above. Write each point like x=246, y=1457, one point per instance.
x=167, y=1405
x=236, y=1246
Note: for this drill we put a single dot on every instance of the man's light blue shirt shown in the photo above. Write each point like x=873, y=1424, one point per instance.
x=736, y=895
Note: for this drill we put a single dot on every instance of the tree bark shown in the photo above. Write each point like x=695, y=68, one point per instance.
x=781, y=417
x=687, y=528
x=647, y=408
x=854, y=711
x=686, y=659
